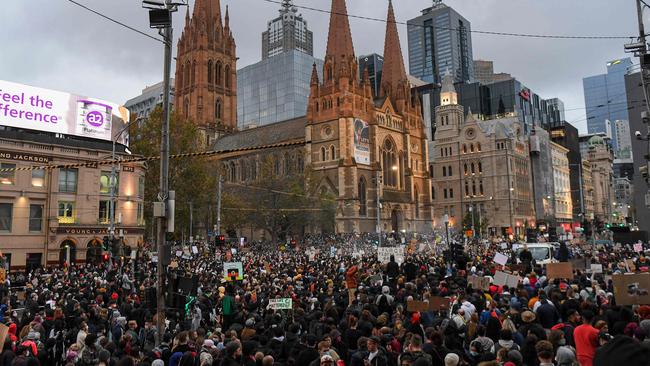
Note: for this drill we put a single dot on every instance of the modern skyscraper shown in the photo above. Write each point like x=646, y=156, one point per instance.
x=623, y=137
x=440, y=40
x=206, y=86
x=287, y=32
x=277, y=88
x=373, y=63
x=555, y=109
x=151, y=97
x=606, y=98
x=274, y=89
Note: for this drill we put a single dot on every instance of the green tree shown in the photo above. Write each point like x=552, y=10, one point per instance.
x=480, y=223
x=191, y=178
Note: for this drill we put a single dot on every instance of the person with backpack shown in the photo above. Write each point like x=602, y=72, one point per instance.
x=385, y=301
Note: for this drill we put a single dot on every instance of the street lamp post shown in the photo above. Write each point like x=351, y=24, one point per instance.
x=446, y=221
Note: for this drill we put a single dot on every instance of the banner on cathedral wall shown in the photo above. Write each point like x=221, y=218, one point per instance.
x=361, y=142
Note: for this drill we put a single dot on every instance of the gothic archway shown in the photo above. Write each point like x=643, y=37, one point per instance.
x=67, y=252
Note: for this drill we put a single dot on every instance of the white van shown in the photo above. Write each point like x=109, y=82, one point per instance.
x=542, y=252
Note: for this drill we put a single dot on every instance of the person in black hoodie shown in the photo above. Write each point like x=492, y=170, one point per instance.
x=392, y=270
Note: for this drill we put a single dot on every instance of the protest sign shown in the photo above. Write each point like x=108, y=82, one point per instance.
x=384, y=253
x=505, y=279
x=630, y=264
x=437, y=303
x=179, y=253
x=415, y=305
x=559, y=270
x=195, y=250
x=501, y=259
x=233, y=271
x=595, y=268
x=632, y=289
x=332, y=252
x=4, y=331
x=504, y=246
x=638, y=247
x=280, y=304
x=482, y=283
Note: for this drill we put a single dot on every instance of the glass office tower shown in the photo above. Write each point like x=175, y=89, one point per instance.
x=606, y=98
x=440, y=40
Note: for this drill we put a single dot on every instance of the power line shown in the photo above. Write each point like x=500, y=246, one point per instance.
x=527, y=35
x=116, y=21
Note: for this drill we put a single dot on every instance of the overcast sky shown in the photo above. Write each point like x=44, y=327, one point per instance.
x=55, y=44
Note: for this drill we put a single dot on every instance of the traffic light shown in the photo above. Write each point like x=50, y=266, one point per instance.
x=105, y=257
x=221, y=240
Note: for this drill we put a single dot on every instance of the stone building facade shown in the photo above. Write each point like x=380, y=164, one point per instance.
x=359, y=148
x=588, y=190
x=601, y=158
x=51, y=216
x=206, y=64
x=562, y=184
x=483, y=164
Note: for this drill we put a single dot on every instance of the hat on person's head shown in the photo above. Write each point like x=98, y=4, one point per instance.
x=326, y=358
x=528, y=316
x=452, y=359
x=209, y=343
x=250, y=323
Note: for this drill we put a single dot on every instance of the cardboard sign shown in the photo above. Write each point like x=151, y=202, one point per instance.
x=437, y=303
x=501, y=259
x=504, y=246
x=559, y=270
x=415, y=305
x=4, y=331
x=195, y=250
x=233, y=271
x=630, y=264
x=384, y=253
x=638, y=247
x=595, y=268
x=280, y=304
x=632, y=289
x=481, y=283
x=505, y=279
x=580, y=264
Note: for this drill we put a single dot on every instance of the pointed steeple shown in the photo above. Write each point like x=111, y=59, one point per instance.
x=211, y=8
x=339, y=40
x=227, y=19
x=314, y=75
x=393, y=74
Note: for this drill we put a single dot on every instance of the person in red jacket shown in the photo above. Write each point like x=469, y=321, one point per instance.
x=351, y=282
x=586, y=338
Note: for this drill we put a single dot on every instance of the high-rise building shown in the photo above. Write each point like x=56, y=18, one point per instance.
x=606, y=98
x=541, y=168
x=600, y=156
x=287, y=32
x=641, y=201
x=562, y=183
x=373, y=64
x=556, y=110
x=484, y=72
x=151, y=97
x=565, y=134
x=440, y=40
x=206, y=86
x=623, y=137
x=275, y=89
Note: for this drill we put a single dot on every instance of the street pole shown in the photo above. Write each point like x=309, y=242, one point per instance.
x=191, y=223
x=378, y=208
x=163, y=195
x=219, y=188
x=471, y=210
x=111, y=205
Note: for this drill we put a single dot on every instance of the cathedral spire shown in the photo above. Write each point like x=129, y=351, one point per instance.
x=227, y=19
x=314, y=75
x=339, y=40
x=211, y=9
x=393, y=73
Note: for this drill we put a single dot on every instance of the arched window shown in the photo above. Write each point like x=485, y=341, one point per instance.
x=480, y=167
x=328, y=72
x=444, y=171
x=332, y=152
x=473, y=188
x=233, y=172
x=323, y=154
x=186, y=108
x=417, y=203
x=186, y=78
x=217, y=73
x=466, y=189
x=194, y=73
x=465, y=168
x=471, y=147
x=478, y=146
x=390, y=164
x=480, y=187
x=217, y=109
x=464, y=149
x=227, y=76
x=473, y=171
x=210, y=72
x=449, y=171
x=363, y=208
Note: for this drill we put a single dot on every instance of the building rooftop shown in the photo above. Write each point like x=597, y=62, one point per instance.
x=292, y=130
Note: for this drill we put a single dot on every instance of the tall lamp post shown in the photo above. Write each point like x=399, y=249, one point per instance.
x=112, y=184
x=446, y=221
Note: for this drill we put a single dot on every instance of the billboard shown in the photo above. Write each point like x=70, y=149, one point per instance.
x=32, y=108
x=361, y=142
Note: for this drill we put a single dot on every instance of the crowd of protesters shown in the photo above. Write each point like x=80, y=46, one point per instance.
x=347, y=308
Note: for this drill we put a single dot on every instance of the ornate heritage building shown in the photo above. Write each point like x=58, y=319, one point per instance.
x=480, y=164
x=206, y=85
x=351, y=139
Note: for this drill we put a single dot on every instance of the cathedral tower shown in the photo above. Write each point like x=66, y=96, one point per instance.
x=206, y=82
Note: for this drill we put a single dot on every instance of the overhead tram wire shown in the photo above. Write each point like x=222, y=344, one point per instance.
x=116, y=21
x=508, y=34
